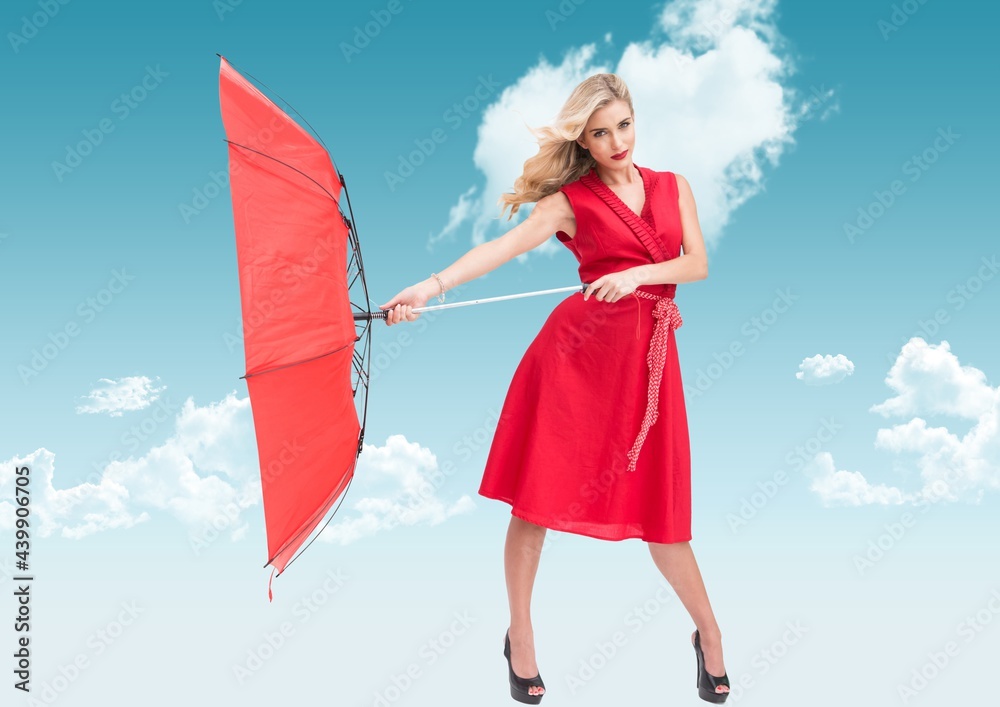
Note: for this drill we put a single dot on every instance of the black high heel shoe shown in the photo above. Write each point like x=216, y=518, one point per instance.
x=518, y=685
x=707, y=683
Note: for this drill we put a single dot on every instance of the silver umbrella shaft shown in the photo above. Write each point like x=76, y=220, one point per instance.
x=382, y=312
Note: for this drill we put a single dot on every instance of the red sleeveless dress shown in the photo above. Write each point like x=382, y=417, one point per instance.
x=592, y=437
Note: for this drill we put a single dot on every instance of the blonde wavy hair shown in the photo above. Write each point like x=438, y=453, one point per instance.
x=560, y=158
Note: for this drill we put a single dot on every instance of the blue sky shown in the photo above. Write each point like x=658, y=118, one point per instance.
x=840, y=359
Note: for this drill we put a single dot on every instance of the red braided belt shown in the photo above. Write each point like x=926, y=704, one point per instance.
x=667, y=317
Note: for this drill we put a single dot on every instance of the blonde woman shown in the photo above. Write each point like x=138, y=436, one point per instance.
x=592, y=437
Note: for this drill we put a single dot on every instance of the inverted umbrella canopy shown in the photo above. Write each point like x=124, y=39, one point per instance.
x=298, y=260
x=300, y=266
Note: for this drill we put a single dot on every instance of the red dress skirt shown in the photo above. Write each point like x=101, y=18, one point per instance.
x=583, y=396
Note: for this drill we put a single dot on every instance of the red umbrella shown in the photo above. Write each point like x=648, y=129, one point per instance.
x=306, y=319
x=293, y=245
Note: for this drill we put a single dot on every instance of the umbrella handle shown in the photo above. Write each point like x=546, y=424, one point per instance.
x=380, y=314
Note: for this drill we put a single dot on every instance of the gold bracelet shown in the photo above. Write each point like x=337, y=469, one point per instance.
x=440, y=296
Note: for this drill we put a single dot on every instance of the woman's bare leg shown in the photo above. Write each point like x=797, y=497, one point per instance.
x=677, y=564
x=521, y=554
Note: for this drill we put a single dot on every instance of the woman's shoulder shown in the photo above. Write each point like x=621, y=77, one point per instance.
x=661, y=173
x=667, y=178
x=676, y=177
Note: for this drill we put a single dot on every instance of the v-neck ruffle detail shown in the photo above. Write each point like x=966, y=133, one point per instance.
x=665, y=312
x=643, y=228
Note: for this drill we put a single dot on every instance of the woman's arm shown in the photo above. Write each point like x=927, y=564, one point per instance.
x=552, y=213
x=548, y=216
x=692, y=265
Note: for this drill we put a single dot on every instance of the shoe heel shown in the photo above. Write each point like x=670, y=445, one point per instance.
x=518, y=685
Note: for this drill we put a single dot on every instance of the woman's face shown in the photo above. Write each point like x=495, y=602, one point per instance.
x=609, y=135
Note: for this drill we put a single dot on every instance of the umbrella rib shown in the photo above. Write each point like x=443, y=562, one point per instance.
x=264, y=154
x=355, y=244
x=296, y=363
x=282, y=100
x=343, y=495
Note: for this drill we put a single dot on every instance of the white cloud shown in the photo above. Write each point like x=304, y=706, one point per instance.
x=709, y=101
x=849, y=487
x=505, y=143
x=115, y=396
x=929, y=380
x=458, y=213
x=824, y=370
x=700, y=23
x=208, y=462
x=206, y=475
x=76, y=511
x=405, y=479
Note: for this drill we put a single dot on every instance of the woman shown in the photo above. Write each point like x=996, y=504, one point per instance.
x=592, y=438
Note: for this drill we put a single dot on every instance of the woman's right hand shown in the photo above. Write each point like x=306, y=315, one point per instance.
x=400, y=307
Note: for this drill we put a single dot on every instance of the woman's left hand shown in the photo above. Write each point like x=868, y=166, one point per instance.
x=613, y=286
